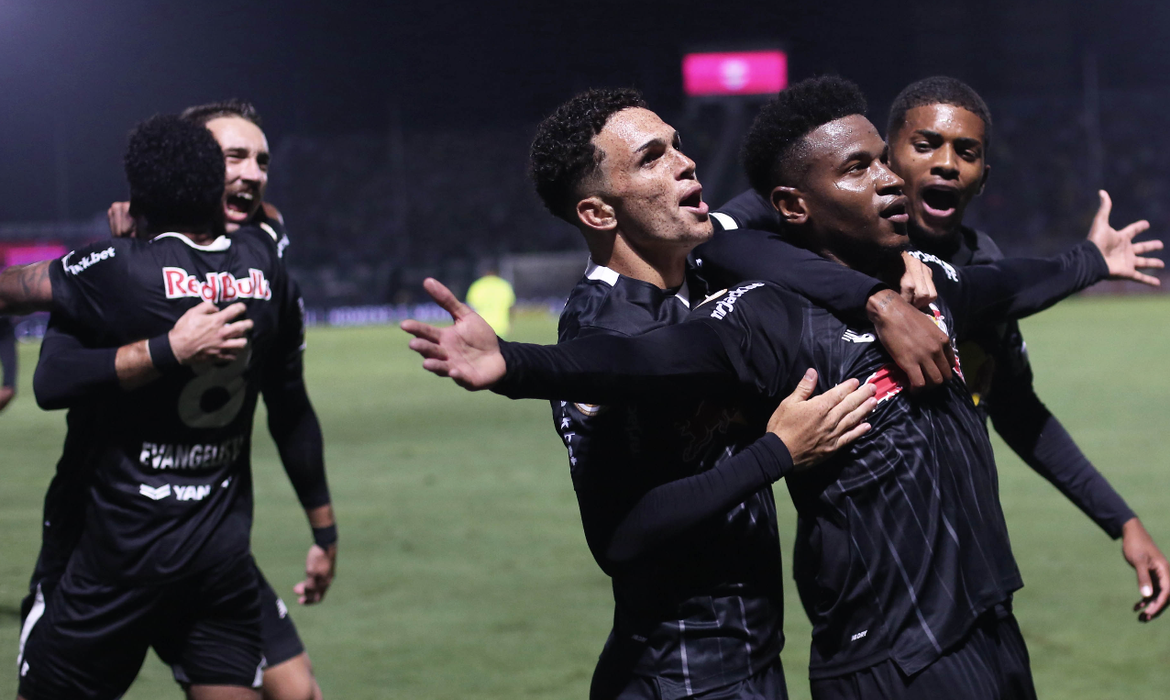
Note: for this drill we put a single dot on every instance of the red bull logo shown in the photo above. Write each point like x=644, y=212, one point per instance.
x=219, y=286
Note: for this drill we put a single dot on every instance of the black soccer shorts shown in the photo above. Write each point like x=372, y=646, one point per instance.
x=87, y=639
x=991, y=662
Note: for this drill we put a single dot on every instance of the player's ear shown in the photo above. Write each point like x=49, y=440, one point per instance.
x=983, y=181
x=789, y=202
x=596, y=214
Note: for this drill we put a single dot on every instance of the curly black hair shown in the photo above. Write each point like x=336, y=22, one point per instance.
x=175, y=170
x=780, y=127
x=939, y=89
x=224, y=108
x=563, y=154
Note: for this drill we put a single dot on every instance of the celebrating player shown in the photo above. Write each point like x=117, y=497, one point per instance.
x=939, y=132
x=236, y=126
x=162, y=559
x=903, y=561
x=646, y=472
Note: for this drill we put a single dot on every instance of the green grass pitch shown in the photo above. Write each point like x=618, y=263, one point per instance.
x=463, y=572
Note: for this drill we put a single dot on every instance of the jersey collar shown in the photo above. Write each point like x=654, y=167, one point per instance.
x=602, y=273
x=217, y=246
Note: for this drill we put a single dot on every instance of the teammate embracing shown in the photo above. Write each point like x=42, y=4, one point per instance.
x=163, y=557
x=902, y=561
x=236, y=126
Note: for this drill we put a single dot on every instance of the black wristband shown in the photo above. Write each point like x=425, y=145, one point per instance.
x=161, y=355
x=325, y=536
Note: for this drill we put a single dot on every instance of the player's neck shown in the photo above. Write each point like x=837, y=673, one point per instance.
x=663, y=270
x=942, y=244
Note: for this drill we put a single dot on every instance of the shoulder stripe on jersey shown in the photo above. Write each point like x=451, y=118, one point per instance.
x=724, y=220
x=271, y=231
x=600, y=272
x=217, y=246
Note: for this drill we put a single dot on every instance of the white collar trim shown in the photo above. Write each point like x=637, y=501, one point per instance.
x=217, y=246
x=602, y=273
x=594, y=271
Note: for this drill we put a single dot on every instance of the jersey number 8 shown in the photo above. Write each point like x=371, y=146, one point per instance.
x=215, y=396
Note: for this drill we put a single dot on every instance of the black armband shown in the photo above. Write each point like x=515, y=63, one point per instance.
x=326, y=536
x=161, y=355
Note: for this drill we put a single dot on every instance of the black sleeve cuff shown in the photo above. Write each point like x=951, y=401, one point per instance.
x=161, y=355
x=773, y=456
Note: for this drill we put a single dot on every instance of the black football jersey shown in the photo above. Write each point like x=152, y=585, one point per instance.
x=704, y=609
x=167, y=465
x=901, y=540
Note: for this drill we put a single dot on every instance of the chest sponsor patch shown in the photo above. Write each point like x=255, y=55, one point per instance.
x=216, y=286
x=889, y=381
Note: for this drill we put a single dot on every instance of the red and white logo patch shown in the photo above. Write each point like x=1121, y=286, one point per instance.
x=219, y=286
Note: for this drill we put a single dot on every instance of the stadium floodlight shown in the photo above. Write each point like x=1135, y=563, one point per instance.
x=735, y=73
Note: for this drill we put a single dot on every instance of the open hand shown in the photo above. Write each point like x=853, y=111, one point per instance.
x=813, y=428
x=1121, y=254
x=206, y=334
x=467, y=351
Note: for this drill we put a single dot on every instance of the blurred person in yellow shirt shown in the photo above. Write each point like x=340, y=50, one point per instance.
x=492, y=297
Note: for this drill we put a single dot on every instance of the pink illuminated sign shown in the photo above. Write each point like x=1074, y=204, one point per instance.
x=738, y=73
x=30, y=253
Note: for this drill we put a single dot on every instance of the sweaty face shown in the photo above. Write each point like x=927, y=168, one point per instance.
x=245, y=153
x=650, y=183
x=939, y=152
x=856, y=210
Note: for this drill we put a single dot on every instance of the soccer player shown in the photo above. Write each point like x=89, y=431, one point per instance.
x=7, y=362
x=163, y=559
x=903, y=561
x=236, y=126
x=492, y=297
x=674, y=502
x=939, y=131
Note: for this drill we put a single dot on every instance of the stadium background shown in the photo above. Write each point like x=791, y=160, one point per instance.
x=399, y=136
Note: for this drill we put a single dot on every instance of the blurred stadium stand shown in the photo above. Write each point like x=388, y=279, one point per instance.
x=371, y=215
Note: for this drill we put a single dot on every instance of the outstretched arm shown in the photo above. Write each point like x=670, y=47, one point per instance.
x=686, y=359
x=25, y=289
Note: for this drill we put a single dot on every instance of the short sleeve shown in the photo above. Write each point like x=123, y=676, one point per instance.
x=83, y=278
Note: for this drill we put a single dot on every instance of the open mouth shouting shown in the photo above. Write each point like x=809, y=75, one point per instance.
x=240, y=205
x=940, y=202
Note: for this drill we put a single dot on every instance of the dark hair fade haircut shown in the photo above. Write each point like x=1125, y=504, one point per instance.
x=563, y=154
x=775, y=137
x=224, y=108
x=175, y=170
x=939, y=89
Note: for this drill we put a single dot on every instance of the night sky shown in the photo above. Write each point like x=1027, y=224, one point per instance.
x=77, y=75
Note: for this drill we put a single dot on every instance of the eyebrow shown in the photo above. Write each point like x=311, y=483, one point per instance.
x=657, y=142
x=962, y=140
